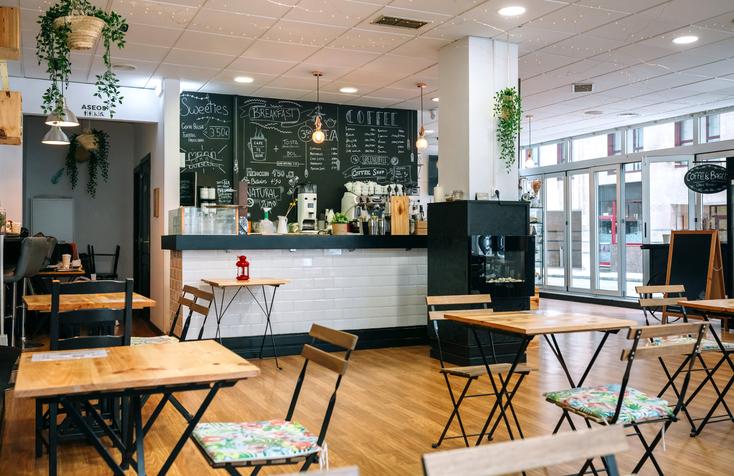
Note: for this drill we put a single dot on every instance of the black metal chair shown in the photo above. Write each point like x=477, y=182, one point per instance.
x=93, y=261
x=85, y=329
x=8, y=358
x=32, y=256
x=287, y=441
x=602, y=403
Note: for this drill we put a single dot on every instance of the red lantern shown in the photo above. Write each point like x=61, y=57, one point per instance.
x=243, y=269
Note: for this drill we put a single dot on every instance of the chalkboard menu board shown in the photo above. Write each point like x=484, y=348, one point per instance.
x=362, y=144
x=207, y=124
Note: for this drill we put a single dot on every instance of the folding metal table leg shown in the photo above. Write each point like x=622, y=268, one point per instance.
x=267, y=310
x=219, y=311
x=455, y=412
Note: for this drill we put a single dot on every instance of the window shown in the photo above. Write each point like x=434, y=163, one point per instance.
x=660, y=136
x=711, y=128
x=596, y=146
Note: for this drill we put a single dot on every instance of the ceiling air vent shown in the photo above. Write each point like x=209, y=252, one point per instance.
x=401, y=22
x=583, y=87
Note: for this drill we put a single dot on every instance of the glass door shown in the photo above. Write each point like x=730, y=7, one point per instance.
x=579, y=233
x=608, y=243
x=555, y=231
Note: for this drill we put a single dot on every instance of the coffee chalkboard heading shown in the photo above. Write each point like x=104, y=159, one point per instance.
x=707, y=178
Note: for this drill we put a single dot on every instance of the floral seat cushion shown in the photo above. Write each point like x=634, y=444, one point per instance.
x=601, y=402
x=706, y=344
x=153, y=340
x=254, y=441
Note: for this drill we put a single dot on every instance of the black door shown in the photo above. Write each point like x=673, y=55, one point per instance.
x=141, y=229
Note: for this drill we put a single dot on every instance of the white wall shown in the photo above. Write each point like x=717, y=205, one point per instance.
x=104, y=221
x=11, y=181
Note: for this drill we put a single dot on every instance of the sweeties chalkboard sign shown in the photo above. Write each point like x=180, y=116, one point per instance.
x=207, y=124
x=362, y=144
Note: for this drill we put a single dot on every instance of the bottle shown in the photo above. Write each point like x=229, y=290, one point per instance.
x=266, y=226
x=421, y=215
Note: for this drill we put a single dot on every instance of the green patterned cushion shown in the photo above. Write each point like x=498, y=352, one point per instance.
x=706, y=344
x=601, y=402
x=153, y=340
x=253, y=441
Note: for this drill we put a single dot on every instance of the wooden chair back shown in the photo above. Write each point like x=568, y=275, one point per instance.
x=531, y=453
x=648, y=301
x=99, y=323
x=461, y=300
x=193, y=305
x=343, y=341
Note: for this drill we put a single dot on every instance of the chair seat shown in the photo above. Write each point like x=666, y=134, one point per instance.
x=601, y=402
x=254, y=441
x=479, y=370
x=153, y=340
x=706, y=344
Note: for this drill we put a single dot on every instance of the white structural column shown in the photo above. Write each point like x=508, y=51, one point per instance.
x=471, y=71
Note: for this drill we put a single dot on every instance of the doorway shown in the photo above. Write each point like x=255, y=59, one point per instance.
x=141, y=230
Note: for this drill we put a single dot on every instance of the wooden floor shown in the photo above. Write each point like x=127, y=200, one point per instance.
x=392, y=406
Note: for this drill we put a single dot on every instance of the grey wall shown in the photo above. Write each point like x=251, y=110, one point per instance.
x=104, y=221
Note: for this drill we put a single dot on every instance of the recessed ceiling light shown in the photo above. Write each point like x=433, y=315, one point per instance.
x=124, y=67
x=434, y=99
x=511, y=11
x=244, y=79
x=682, y=40
x=594, y=113
x=628, y=114
x=348, y=90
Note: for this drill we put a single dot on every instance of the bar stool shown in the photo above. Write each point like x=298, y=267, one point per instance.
x=32, y=254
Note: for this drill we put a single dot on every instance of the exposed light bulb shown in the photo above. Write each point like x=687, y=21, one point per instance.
x=421, y=144
x=318, y=135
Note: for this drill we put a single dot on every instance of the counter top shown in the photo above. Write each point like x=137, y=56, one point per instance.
x=288, y=242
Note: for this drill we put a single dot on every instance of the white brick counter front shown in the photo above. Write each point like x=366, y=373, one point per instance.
x=341, y=289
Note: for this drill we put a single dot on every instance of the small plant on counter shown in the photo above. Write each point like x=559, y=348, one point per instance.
x=508, y=111
x=339, y=218
x=75, y=25
x=98, y=160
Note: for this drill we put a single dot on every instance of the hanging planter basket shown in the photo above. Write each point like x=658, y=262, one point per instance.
x=87, y=140
x=81, y=155
x=85, y=30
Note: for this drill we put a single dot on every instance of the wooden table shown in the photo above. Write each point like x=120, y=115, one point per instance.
x=73, y=302
x=716, y=309
x=134, y=372
x=527, y=325
x=57, y=272
x=246, y=284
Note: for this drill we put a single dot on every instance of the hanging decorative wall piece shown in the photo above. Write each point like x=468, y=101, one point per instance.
x=508, y=111
x=97, y=160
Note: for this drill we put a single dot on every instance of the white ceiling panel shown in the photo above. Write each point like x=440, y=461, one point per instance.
x=444, y=7
x=278, y=93
x=405, y=65
x=362, y=89
x=334, y=98
x=693, y=11
x=629, y=6
x=281, y=51
x=229, y=87
x=210, y=43
x=683, y=61
x=259, y=79
x=342, y=57
x=421, y=48
x=531, y=39
x=434, y=20
x=305, y=83
x=305, y=71
x=185, y=73
x=303, y=33
x=576, y=19
x=538, y=63
x=411, y=83
x=263, y=8
x=139, y=52
x=488, y=12
x=639, y=53
x=721, y=22
x=705, y=37
x=706, y=86
x=198, y=59
x=257, y=65
x=153, y=13
x=721, y=49
x=143, y=68
x=398, y=94
x=459, y=27
x=331, y=12
x=154, y=35
x=373, y=78
x=229, y=23
x=581, y=47
x=713, y=70
x=369, y=101
x=635, y=28
x=365, y=40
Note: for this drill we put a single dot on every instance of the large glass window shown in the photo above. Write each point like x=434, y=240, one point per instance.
x=596, y=146
x=580, y=233
x=555, y=227
x=717, y=127
x=668, y=199
x=633, y=226
x=550, y=154
x=660, y=136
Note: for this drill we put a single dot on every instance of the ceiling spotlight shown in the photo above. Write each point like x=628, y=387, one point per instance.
x=124, y=67
x=628, y=114
x=511, y=11
x=682, y=40
x=244, y=79
x=348, y=90
x=594, y=113
x=434, y=99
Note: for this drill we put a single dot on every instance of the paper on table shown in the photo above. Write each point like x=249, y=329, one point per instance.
x=79, y=354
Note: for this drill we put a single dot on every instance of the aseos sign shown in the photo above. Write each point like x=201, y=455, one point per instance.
x=707, y=178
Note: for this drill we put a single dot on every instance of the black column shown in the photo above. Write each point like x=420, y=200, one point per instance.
x=730, y=226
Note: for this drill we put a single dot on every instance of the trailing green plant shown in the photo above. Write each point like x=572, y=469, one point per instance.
x=53, y=50
x=508, y=111
x=98, y=161
x=339, y=218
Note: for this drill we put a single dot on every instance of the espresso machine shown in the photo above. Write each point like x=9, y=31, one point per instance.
x=307, y=218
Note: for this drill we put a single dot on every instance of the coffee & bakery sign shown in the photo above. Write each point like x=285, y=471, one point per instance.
x=706, y=178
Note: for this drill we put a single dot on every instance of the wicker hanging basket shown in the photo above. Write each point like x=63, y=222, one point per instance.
x=84, y=30
x=81, y=155
x=87, y=140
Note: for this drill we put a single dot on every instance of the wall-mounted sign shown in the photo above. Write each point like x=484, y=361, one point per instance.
x=706, y=178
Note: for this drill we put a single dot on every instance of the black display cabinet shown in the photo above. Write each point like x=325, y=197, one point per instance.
x=480, y=247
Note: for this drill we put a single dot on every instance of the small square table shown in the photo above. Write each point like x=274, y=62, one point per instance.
x=247, y=284
x=73, y=378
x=527, y=325
x=74, y=302
x=717, y=309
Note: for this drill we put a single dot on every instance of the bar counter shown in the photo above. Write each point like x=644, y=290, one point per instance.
x=374, y=286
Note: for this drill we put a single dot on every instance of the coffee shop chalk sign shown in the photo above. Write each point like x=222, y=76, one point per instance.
x=707, y=178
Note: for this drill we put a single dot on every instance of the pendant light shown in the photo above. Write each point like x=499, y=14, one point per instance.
x=422, y=143
x=55, y=137
x=65, y=118
x=318, y=135
x=529, y=162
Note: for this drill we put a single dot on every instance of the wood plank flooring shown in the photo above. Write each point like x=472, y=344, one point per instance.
x=392, y=406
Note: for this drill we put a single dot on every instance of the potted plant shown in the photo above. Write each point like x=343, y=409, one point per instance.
x=339, y=224
x=507, y=110
x=98, y=158
x=76, y=25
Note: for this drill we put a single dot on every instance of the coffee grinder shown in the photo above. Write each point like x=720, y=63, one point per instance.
x=307, y=219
